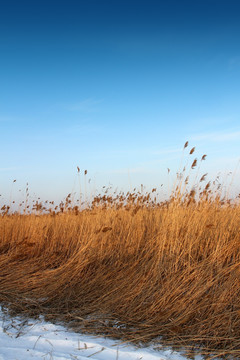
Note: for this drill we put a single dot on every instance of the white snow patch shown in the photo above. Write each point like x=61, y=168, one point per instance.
x=39, y=340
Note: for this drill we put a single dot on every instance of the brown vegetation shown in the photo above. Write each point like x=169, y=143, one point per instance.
x=131, y=268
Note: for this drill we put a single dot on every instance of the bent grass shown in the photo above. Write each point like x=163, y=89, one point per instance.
x=131, y=268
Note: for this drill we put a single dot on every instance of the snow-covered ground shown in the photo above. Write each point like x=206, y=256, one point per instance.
x=36, y=339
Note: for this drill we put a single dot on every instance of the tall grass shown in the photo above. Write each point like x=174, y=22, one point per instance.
x=131, y=268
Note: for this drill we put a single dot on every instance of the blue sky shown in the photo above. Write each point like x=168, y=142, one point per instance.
x=116, y=87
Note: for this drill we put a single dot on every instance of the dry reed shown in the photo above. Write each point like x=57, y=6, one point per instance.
x=131, y=268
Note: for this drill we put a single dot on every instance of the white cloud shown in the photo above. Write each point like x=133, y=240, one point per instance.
x=136, y=170
x=166, y=151
x=152, y=166
x=87, y=106
x=4, y=118
x=9, y=168
x=230, y=162
x=83, y=128
x=145, y=151
x=217, y=136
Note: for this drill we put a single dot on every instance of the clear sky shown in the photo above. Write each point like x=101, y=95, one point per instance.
x=116, y=87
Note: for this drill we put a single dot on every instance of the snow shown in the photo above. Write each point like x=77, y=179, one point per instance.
x=22, y=339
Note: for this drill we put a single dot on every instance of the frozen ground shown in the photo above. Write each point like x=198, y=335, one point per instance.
x=38, y=340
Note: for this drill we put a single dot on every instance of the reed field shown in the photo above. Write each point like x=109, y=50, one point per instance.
x=131, y=267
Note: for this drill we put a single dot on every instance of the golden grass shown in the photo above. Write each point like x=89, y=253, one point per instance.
x=131, y=268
